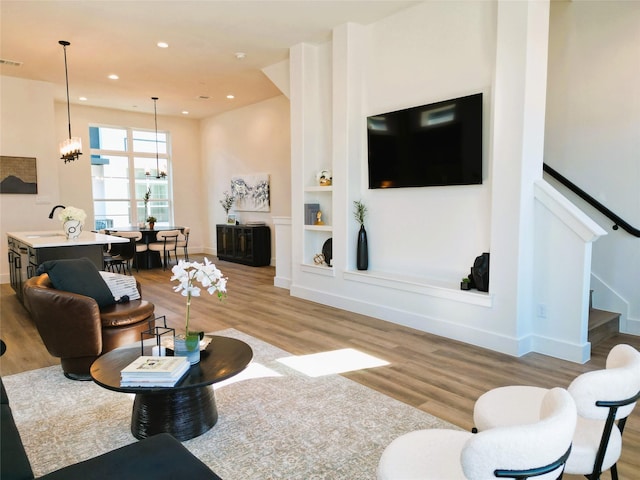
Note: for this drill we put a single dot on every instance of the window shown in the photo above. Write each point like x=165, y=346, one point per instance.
x=123, y=168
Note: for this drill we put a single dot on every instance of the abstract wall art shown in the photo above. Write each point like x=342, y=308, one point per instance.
x=18, y=175
x=251, y=192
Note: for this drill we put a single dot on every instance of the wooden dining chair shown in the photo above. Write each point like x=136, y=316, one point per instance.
x=167, y=242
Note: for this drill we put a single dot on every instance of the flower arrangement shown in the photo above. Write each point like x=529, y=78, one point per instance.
x=324, y=177
x=151, y=219
x=188, y=275
x=72, y=213
x=360, y=211
x=227, y=201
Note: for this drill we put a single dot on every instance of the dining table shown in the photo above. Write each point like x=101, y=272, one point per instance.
x=146, y=259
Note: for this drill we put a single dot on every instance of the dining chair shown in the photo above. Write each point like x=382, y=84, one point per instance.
x=604, y=399
x=537, y=449
x=183, y=242
x=139, y=247
x=120, y=257
x=166, y=243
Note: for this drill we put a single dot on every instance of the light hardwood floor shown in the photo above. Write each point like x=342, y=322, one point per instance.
x=440, y=376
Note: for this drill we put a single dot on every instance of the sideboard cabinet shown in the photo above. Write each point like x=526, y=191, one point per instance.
x=247, y=244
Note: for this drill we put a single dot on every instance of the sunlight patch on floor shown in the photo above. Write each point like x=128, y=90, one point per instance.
x=253, y=370
x=336, y=361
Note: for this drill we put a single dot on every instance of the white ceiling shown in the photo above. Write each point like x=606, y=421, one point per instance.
x=120, y=37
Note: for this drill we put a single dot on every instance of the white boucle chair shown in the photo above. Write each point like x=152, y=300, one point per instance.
x=602, y=397
x=520, y=451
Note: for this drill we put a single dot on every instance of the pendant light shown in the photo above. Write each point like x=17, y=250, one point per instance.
x=70, y=148
x=159, y=173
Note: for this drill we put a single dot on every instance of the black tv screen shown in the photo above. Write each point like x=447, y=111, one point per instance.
x=431, y=145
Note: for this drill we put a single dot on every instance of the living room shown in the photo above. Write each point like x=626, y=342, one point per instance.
x=428, y=235
x=264, y=138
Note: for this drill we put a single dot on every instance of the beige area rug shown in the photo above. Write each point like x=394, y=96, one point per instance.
x=274, y=422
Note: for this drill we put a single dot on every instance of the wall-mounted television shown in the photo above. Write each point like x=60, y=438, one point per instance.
x=431, y=145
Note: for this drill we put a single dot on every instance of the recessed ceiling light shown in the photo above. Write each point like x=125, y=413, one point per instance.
x=184, y=112
x=113, y=76
x=230, y=97
x=83, y=99
x=240, y=55
x=163, y=44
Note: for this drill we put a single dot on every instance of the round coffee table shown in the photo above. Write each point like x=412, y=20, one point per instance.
x=185, y=410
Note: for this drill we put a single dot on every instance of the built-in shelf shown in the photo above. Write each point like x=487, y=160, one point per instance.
x=421, y=285
x=318, y=269
x=319, y=228
x=318, y=188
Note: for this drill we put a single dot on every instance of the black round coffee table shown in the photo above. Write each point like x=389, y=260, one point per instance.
x=185, y=410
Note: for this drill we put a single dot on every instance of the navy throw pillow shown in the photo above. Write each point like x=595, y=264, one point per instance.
x=78, y=275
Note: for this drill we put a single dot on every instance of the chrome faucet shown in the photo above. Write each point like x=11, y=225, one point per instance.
x=54, y=209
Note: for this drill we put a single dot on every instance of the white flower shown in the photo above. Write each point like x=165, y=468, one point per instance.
x=188, y=273
x=72, y=213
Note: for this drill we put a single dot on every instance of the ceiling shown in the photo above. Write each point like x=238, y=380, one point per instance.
x=198, y=69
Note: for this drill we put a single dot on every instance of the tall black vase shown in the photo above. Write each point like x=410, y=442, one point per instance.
x=362, y=260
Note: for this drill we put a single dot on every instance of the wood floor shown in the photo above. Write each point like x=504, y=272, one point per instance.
x=435, y=374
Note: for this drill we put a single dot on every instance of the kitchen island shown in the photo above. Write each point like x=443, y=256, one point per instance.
x=27, y=250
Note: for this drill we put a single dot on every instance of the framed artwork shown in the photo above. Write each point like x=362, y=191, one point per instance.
x=231, y=218
x=18, y=175
x=251, y=192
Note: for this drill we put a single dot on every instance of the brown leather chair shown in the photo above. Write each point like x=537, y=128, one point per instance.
x=74, y=329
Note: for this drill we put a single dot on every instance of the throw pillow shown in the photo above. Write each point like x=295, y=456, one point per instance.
x=78, y=275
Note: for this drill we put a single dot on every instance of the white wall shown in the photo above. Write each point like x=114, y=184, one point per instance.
x=252, y=139
x=592, y=134
x=422, y=241
x=27, y=119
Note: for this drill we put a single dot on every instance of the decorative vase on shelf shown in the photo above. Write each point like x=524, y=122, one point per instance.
x=72, y=228
x=151, y=225
x=187, y=347
x=362, y=254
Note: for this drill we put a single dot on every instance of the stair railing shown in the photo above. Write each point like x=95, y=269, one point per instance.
x=618, y=222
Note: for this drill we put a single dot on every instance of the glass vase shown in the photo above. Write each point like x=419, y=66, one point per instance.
x=186, y=347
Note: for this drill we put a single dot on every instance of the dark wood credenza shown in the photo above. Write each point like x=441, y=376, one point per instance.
x=246, y=244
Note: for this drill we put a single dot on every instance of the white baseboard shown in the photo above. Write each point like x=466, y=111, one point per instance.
x=282, y=282
x=474, y=336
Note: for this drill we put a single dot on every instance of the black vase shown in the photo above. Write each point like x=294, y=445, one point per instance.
x=362, y=260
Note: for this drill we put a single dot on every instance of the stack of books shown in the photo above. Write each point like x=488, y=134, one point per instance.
x=310, y=213
x=147, y=371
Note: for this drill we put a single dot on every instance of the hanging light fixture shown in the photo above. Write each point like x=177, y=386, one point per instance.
x=159, y=173
x=70, y=148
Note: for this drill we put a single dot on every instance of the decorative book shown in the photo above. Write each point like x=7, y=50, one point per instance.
x=148, y=371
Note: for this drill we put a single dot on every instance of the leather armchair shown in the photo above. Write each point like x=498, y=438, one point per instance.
x=74, y=329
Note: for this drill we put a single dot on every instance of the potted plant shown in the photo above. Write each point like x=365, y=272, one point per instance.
x=152, y=221
x=188, y=274
x=227, y=202
x=465, y=284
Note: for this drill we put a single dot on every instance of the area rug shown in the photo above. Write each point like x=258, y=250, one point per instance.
x=274, y=422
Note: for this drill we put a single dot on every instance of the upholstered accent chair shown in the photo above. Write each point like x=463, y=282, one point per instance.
x=604, y=400
x=76, y=329
x=536, y=450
